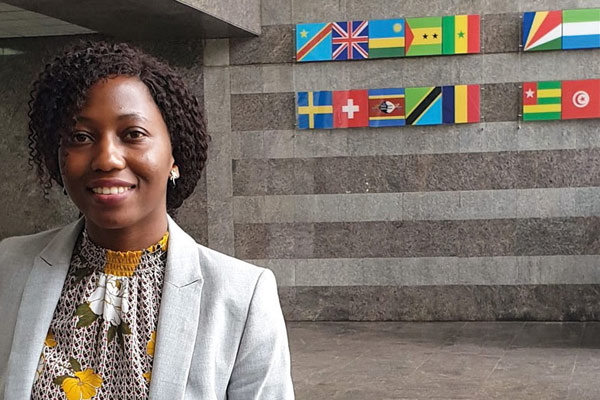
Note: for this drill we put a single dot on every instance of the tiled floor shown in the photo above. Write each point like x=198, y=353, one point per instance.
x=445, y=360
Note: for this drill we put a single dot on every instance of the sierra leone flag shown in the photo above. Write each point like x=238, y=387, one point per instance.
x=386, y=38
x=541, y=100
x=581, y=29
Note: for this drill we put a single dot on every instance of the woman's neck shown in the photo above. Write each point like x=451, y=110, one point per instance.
x=131, y=238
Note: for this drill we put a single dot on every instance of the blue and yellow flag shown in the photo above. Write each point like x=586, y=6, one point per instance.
x=313, y=42
x=386, y=38
x=315, y=110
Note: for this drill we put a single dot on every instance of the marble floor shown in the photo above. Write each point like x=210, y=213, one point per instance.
x=445, y=360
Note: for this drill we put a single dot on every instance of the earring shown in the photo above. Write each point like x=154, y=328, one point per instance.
x=173, y=175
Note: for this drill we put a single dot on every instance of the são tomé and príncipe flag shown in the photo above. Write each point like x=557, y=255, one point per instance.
x=423, y=36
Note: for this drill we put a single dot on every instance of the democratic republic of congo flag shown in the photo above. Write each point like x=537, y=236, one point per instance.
x=313, y=42
x=542, y=30
x=386, y=38
x=423, y=36
x=541, y=100
x=581, y=29
x=460, y=34
x=460, y=104
x=424, y=105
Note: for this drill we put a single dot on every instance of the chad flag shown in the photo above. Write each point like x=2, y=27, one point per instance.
x=423, y=36
x=386, y=38
x=461, y=34
x=460, y=104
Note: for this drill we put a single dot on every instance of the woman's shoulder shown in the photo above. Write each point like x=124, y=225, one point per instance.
x=26, y=246
x=218, y=265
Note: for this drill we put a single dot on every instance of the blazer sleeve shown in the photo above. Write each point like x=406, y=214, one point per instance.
x=262, y=366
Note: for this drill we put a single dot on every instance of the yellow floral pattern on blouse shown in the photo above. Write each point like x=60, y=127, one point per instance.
x=101, y=341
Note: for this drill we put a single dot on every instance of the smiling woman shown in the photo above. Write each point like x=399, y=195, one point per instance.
x=122, y=303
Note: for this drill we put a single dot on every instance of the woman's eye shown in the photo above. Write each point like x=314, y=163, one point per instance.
x=134, y=135
x=80, y=137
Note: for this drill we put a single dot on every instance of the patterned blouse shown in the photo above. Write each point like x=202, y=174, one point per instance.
x=100, y=344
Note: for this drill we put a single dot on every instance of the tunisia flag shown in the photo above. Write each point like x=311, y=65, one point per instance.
x=350, y=108
x=581, y=99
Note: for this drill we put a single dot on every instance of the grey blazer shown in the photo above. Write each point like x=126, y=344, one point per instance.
x=220, y=334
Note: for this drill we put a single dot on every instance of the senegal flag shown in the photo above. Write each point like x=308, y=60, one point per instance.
x=461, y=34
x=541, y=100
x=423, y=36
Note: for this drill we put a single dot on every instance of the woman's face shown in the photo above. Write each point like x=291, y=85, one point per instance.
x=115, y=163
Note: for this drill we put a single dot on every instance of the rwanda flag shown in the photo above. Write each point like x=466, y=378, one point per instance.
x=386, y=38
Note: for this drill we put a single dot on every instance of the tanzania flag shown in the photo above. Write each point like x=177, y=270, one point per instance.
x=313, y=42
x=541, y=100
x=542, y=30
x=461, y=34
x=581, y=29
x=386, y=38
x=423, y=36
x=424, y=105
x=386, y=107
x=315, y=110
x=460, y=104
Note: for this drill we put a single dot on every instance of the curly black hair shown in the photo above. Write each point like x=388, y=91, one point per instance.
x=59, y=94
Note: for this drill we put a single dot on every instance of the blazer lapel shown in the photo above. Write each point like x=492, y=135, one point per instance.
x=177, y=318
x=38, y=302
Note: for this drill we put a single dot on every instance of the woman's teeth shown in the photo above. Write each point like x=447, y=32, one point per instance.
x=110, y=190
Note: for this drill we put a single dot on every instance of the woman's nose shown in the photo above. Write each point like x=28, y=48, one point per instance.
x=108, y=154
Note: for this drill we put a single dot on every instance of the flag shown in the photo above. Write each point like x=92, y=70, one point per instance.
x=315, y=110
x=313, y=42
x=541, y=100
x=423, y=36
x=350, y=40
x=424, y=105
x=581, y=29
x=542, y=30
x=350, y=108
x=460, y=104
x=386, y=38
x=581, y=99
x=460, y=34
x=386, y=107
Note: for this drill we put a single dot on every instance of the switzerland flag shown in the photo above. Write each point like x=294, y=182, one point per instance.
x=350, y=108
x=581, y=99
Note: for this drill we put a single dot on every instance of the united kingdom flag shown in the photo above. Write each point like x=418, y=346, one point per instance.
x=350, y=40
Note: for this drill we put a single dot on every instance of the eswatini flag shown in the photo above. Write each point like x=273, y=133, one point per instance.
x=460, y=104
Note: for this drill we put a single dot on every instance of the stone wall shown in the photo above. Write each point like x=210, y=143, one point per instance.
x=496, y=220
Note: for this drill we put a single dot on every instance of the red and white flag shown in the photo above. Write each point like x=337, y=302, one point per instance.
x=350, y=108
x=581, y=99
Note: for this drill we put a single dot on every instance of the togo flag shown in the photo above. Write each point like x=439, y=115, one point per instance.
x=541, y=100
x=423, y=36
x=460, y=34
x=460, y=104
x=424, y=105
x=386, y=38
x=581, y=29
x=542, y=30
